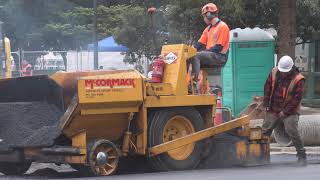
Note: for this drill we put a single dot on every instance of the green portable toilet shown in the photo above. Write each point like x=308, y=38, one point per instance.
x=251, y=58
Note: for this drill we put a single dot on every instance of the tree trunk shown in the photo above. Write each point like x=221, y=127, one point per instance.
x=250, y=7
x=287, y=28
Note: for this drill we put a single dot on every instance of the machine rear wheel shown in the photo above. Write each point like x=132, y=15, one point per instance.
x=170, y=124
x=14, y=168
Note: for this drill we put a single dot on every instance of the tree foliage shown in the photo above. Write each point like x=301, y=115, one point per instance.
x=111, y=18
x=136, y=32
x=67, y=24
x=69, y=30
x=308, y=15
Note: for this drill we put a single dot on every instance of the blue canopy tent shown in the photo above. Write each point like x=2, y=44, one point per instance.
x=108, y=45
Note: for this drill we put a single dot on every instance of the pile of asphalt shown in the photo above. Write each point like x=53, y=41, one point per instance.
x=222, y=152
x=28, y=124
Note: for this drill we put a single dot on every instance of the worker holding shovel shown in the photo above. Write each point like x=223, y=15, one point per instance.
x=283, y=93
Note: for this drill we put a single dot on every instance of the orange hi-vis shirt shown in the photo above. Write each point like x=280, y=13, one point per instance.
x=216, y=34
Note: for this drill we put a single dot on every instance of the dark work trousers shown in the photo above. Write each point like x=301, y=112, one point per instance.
x=207, y=59
x=291, y=127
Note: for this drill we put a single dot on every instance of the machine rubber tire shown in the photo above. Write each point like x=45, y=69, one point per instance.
x=156, y=127
x=14, y=168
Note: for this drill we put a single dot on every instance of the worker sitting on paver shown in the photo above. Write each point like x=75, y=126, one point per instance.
x=213, y=45
x=283, y=93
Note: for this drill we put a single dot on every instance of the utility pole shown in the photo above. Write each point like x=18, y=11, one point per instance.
x=95, y=41
x=151, y=12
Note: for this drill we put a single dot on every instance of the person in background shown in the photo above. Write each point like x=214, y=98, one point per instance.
x=283, y=92
x=26, y=69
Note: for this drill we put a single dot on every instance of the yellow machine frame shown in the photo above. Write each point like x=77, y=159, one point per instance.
x=172, y=92
x=107, y=112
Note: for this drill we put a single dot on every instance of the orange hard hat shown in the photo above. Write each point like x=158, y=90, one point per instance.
x=210, y=7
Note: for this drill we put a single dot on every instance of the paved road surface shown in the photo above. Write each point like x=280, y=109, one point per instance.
x=282, y=168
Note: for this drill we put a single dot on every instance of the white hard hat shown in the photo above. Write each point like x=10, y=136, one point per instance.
x=285, y=64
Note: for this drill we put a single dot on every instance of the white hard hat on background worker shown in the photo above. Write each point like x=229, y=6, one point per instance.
x=285, y=64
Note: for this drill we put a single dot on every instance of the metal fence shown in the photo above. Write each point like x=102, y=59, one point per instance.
x=48, y=62
x=42, y=62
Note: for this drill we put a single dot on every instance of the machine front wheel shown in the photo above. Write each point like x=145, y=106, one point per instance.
x=169, y=124
x=103, y=158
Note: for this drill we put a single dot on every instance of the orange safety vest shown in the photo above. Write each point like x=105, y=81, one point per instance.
x=288, y=93
x=217, y=34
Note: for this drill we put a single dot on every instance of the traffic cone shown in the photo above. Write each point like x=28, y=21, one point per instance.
x=218, y=115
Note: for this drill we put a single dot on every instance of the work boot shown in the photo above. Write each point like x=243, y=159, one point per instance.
x=302, y=159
